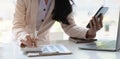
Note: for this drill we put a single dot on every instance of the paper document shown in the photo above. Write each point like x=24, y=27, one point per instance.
x=45, y=50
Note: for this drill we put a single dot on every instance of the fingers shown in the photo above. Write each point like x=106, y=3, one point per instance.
x=93, y=23
x=96, y=23
x=23, y=44
x=91, y=26
x=30, y=42
x=35, y=42
x=101, y=19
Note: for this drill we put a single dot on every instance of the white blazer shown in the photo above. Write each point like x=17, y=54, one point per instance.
x=25, y=17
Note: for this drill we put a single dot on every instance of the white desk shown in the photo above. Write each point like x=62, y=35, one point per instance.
x=10, y=51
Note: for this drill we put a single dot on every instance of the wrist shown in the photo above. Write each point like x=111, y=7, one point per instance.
x=90, y=34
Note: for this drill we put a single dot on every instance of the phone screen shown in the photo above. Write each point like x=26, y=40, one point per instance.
x=102, y=10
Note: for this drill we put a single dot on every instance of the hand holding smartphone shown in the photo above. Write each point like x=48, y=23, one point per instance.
x=102, y=10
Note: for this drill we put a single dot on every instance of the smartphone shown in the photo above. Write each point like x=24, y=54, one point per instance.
x=102, y=10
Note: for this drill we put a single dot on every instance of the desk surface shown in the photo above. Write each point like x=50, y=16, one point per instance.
x=10, y=51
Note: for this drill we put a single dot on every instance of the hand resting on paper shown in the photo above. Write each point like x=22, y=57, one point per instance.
x=29, y=41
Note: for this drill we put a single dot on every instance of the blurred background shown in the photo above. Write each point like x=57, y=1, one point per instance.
x=83, y=11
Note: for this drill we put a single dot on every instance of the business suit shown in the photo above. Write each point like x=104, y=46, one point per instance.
x=25, y=18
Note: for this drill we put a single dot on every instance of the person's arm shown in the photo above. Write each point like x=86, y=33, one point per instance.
x=79, y=32
x=19, y=22
x=73, y=30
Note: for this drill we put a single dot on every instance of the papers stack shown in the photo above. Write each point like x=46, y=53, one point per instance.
x=47, y=50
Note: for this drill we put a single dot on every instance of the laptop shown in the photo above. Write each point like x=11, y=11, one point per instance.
x=108, y=38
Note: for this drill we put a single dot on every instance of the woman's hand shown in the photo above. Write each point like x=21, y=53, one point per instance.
x=95, y=25
x=29, y=41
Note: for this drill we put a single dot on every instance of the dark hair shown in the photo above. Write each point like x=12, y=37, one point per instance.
x=61, y=10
